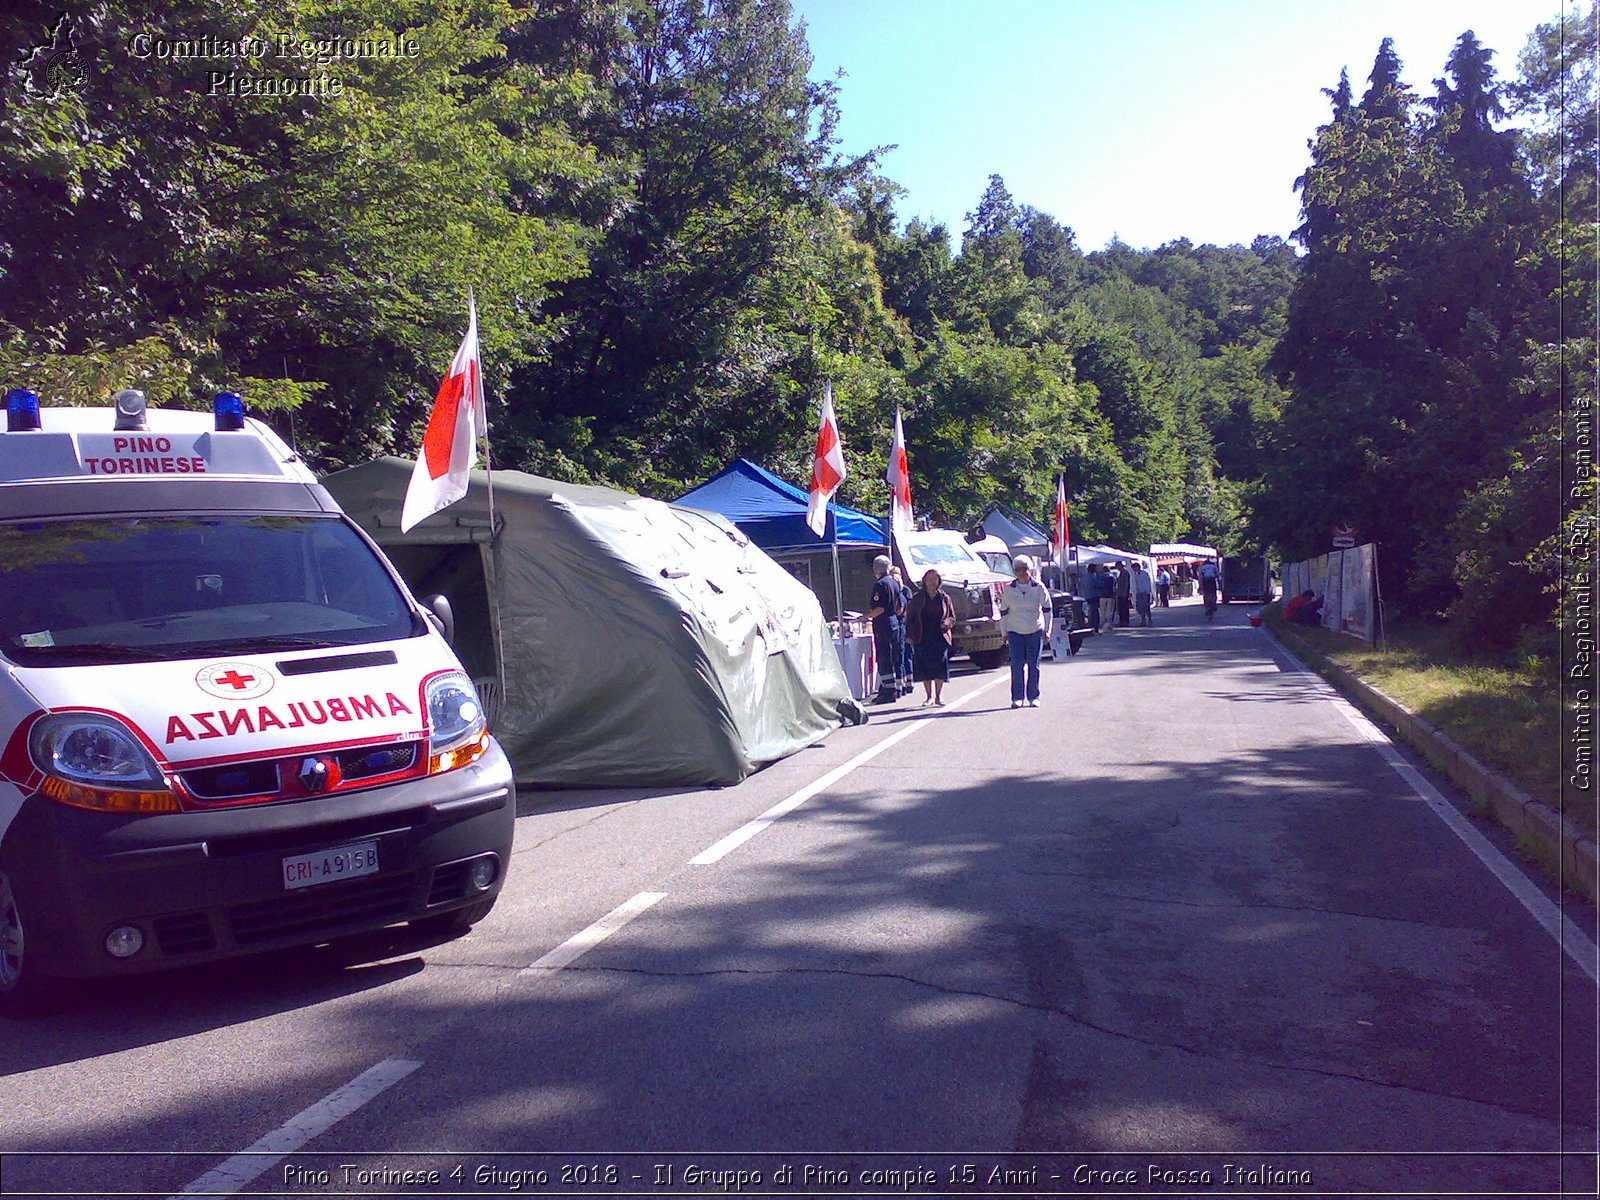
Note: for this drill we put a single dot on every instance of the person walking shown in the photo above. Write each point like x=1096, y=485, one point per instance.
x=886, y=609
x=1106, y=593
x=1024, y=617
x=1208, y=586
x=1142, y=592
x=1124, y=595
x=930, y=622
x=1164, y=587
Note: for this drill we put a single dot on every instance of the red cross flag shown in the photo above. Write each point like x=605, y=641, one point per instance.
x=1063, y=537
x=899, y=479
x=827, y=467
x=450, y=445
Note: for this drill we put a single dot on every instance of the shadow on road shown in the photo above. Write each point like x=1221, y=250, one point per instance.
x=1240, y=942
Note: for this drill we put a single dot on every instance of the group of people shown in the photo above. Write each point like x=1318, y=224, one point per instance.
x=1113, y=594
x=914, y=629
x=1304, y=609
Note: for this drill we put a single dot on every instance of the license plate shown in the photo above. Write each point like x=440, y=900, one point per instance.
x=325, y=866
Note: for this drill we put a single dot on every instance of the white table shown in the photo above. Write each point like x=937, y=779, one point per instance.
x=859, y=656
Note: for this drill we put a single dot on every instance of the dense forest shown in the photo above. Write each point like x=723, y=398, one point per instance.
x=671, y=256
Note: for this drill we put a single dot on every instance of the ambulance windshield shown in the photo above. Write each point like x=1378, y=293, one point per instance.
x=137, y=589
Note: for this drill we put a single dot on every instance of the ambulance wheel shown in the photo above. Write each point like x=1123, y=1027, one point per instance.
x=456, y=922
x=24, y=990
x=988, y=660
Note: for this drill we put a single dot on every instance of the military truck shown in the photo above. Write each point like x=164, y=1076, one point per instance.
x=1246, y=577
x=973, y=588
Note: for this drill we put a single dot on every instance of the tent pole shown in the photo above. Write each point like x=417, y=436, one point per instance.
x=838, y=586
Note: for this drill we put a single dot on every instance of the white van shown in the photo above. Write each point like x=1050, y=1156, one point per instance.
x=225, y=724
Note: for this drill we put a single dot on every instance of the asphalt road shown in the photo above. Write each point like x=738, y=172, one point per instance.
x=1184, y=915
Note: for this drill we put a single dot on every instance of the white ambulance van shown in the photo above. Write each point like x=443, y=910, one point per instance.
x=225, y=724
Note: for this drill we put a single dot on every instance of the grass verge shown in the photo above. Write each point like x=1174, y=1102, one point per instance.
x=1507, y=716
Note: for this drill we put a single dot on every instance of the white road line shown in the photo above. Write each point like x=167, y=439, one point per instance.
x=245, y=1167
x=1579, y=948
x=744, y=833
x=579, y=944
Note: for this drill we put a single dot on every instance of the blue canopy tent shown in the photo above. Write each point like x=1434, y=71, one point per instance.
x=771, y=512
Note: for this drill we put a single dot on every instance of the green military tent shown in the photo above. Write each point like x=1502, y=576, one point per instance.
x=616, y=640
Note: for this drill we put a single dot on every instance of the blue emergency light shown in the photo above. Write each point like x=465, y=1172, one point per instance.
x=228, y=408
x=22, y=410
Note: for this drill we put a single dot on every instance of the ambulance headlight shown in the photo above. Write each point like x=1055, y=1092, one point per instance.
x=95, y=761
x=458, y=729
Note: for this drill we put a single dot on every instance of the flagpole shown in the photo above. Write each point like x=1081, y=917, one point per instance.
x=488, y=465
x=491, y=588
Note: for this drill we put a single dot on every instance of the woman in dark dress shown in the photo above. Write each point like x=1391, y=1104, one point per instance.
x=930, y=620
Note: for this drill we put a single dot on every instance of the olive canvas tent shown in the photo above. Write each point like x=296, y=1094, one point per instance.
x=618, y=640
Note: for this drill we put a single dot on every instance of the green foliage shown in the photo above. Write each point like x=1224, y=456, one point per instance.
x=1506, y=557
x=671, y=259
x=1412, y=348
x=322, y=238
x=715, y=286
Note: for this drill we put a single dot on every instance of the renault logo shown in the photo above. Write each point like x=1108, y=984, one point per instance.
x=314, y=775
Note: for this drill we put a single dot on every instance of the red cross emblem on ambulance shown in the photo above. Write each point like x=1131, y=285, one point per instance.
x=234, y=680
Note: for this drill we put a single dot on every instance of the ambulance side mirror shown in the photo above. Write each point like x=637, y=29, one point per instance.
x=439, y=612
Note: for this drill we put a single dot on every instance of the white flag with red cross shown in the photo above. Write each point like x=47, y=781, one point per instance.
x=450, y=444
x=899, y=479
x=827, y=467
x=1063, y=537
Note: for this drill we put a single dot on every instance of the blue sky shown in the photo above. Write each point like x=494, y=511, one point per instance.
x=1147, y=119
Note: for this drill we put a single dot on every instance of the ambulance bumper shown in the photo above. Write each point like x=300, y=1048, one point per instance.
x=210, y=885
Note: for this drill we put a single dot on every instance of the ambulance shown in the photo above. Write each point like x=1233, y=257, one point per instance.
x=226, y=726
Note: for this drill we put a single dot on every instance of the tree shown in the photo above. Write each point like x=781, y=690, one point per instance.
x=1387, y=96
x=1465, y=107
x=1342, y=98
x=319, y=229
x=1050, y=255
x=1407, y=335
x=697, y=330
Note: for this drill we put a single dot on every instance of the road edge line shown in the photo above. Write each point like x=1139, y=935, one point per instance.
x=585, y=940
x=249, y=1165
x=724, y=846
x=1573, y=941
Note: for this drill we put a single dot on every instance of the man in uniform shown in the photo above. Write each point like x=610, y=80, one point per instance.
x=887, y=609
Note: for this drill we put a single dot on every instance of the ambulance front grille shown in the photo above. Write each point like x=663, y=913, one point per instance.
x=449, y=883
x=264, y=781
x=184, y=933
x=322, y=911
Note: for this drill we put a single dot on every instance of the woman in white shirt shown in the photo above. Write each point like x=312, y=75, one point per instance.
x=1024, y=617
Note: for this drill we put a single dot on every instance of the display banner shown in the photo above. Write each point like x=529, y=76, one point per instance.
x=1356, y=611
x=1344, y=580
